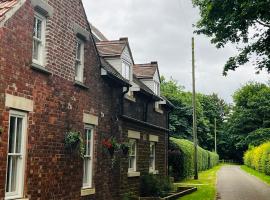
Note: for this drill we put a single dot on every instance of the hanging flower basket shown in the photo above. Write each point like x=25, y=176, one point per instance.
x=125, y=148
x=74, y=142
x=111, y=145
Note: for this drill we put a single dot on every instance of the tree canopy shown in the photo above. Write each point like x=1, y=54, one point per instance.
x=245, y=23
x=249, y=120
x=209, y=107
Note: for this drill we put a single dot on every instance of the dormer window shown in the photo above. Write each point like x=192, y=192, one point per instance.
x=156, y=88
x=126, y=70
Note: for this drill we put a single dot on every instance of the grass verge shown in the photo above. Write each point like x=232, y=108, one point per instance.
x=206, y=185
x=265, y=178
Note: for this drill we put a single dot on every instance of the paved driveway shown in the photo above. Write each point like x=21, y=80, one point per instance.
x=235, y=184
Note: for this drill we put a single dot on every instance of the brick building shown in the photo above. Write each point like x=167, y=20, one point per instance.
x=55, y=78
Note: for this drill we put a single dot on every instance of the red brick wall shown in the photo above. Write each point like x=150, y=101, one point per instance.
x=52, y=172
x=131, y=185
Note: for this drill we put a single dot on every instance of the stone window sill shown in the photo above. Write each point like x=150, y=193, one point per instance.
x=88, y=191
x=40, y=68
x=158, y=110
x=134, y=174
x=153, y=172
x=130, y=98
x=81, y=85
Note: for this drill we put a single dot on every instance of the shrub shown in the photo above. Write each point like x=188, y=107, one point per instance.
x=155, y=186
x=258, y=158
x=181, y=159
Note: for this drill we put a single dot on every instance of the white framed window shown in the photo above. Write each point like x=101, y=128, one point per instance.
x=157, y=88
x=79, y=62
x=16, y=155
x=38, y=52
x=88, y=157
x=152, y=161
x=132, y=158
x=126, y=70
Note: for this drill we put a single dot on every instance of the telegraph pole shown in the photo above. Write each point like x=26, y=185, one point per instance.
x=194, y=115
x=215, y=135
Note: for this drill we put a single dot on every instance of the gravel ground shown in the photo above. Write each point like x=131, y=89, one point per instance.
x=235, y=184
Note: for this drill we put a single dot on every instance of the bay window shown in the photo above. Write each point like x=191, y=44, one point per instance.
x=16, y=155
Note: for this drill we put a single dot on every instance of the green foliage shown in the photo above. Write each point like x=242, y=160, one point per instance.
x=244, y=23
x=258, y=158
x=250, y=113
x=155, y=186
x=74, y=141
x=258, y=137
x=181, y=158
x=209, y=107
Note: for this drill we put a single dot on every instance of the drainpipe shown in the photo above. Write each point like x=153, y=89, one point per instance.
x=146, y=110
x=122, y=100
x=168, y=140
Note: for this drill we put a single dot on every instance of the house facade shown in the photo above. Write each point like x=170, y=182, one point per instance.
x=55, y=80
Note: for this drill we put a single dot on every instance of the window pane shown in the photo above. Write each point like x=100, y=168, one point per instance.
x=123, y=70
x=85, y=170
x=36, y=47
x=12, y=174
x=19, y=135
x=127, y=72
x=39, y=29
x=78, y=51
x=12, y=129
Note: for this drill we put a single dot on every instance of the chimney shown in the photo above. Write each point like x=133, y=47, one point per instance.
x=154, y=63
x=124, y=39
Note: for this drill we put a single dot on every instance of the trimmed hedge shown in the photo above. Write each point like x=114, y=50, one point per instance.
x=181, y=159
x=258, y=158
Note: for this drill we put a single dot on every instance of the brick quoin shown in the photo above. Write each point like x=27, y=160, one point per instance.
x=52, y=172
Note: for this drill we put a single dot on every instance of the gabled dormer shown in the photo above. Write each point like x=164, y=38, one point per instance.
x=149, y=74
x=118, y=54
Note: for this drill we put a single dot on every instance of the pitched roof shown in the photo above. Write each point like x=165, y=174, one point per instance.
x=112, y=48
x=5, y=6
x=97, y=33
x=147, y=70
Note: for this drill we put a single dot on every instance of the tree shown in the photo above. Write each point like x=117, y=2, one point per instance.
x=209, y=107
x=245, y=23
x=250, y=113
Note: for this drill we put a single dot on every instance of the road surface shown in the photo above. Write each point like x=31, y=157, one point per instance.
x=235, y=184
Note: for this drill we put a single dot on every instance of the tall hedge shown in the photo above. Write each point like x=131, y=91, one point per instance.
x=181, y=159
x=258, y=158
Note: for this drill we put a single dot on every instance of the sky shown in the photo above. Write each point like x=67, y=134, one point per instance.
x=161, y=30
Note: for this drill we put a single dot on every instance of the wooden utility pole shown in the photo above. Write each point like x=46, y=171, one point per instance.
x=215, y=135
x=194, y=115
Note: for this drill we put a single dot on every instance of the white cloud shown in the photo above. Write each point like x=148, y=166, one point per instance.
x=162, y=30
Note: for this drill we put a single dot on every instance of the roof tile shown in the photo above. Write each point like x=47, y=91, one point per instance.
x=111, y=48
x=147, y=70
x=5, y=6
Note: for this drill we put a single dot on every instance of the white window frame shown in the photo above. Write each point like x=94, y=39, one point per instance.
x=41, y=53
x=126, y=73
x=79, y=61
x=152, y=161
x=134, y=167
x=22, y=157
x=157, y=88
x=88, y=158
